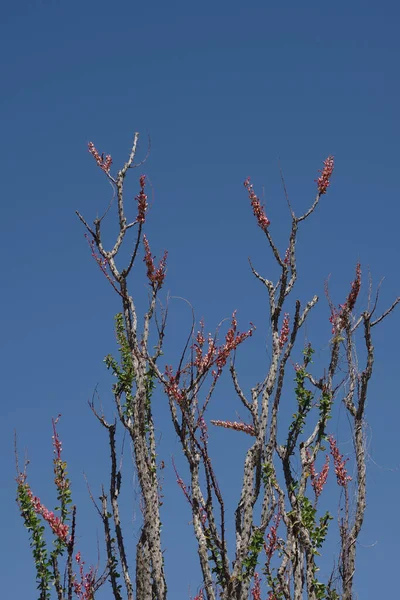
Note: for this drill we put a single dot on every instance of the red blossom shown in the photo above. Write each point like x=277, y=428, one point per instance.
x=272, y=537
x=85, y=589
x=355, y=290
x=285, y=330
x=199, y=596
x=256, y=589
x=59, y=528
x=155, y=275
x=318, y=481
x=232, y=341
x=258, y=209
x=203, y=363
x=56, y=440
x=246, y=428
x=171, y=386
x=215, y=355
x=340, y=463
x=60, y=472
x=339, y=316
x=286, y=260
x=103, y=163
x=141, y=199
x=323, y=180
x=204, y=430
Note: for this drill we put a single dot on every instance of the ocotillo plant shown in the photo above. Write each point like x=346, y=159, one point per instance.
x=280, y=526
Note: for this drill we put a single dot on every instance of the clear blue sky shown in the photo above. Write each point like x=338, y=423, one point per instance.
x=225, y=89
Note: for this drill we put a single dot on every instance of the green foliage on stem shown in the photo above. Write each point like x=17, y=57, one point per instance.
x=268, y=474
x=124, y=372
x=251, y=560
x=216, y=557
x=318, y=532
x=304, y=402
x=33, y=524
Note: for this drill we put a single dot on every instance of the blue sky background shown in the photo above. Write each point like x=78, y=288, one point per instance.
x=226, y=90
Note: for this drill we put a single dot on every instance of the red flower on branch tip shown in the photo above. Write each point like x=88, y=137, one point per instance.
x=155, y=275
x=339, y=316
x=171, y=386
x=323, y=181
x=318, y=480
x=141, y=199
x=256, y=589
x=272, y=537
x=103, y=163
x=340, y=463
x=59, y=528
x=258, y=209
x=285, y=330
x=215, y=355
x=246, y=428
x=85, y=589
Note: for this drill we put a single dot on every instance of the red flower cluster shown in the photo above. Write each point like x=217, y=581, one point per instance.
x=172, y=387
x=340, y=462
x=85, y=589
x=103, y=163
x=142, y=200
x=56, y=440
x=215, y=355
x=355, y=290
x=318, y=481
x=249, y=429
x=59, y=529
x=272, y=537
x=232, y=341
x=285, y=330
x=155, y=275
x=204, y=362
x=286, y=260
x=199, y=596
x=258, y=210
x=60, y=467
x=338, y=317
x=256, y=589
x=323, y=180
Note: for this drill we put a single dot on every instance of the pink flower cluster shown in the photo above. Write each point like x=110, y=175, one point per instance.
x=171, y=386
x=318, y=481
x=323, y=180
x=338, y=317
x=249, y=429
x=56, y=440
x=199, y=596
x=59, y=529
x=285, y=330
x=155, y=275
x=286, y=260
x=272, y=537
x=256, y=589
x=103, y=163
x=258, y=209
x=214, y=354
x=85, y=589
x=340, y=463
x=232, y=341
x=141, y=199
x=60, y=473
